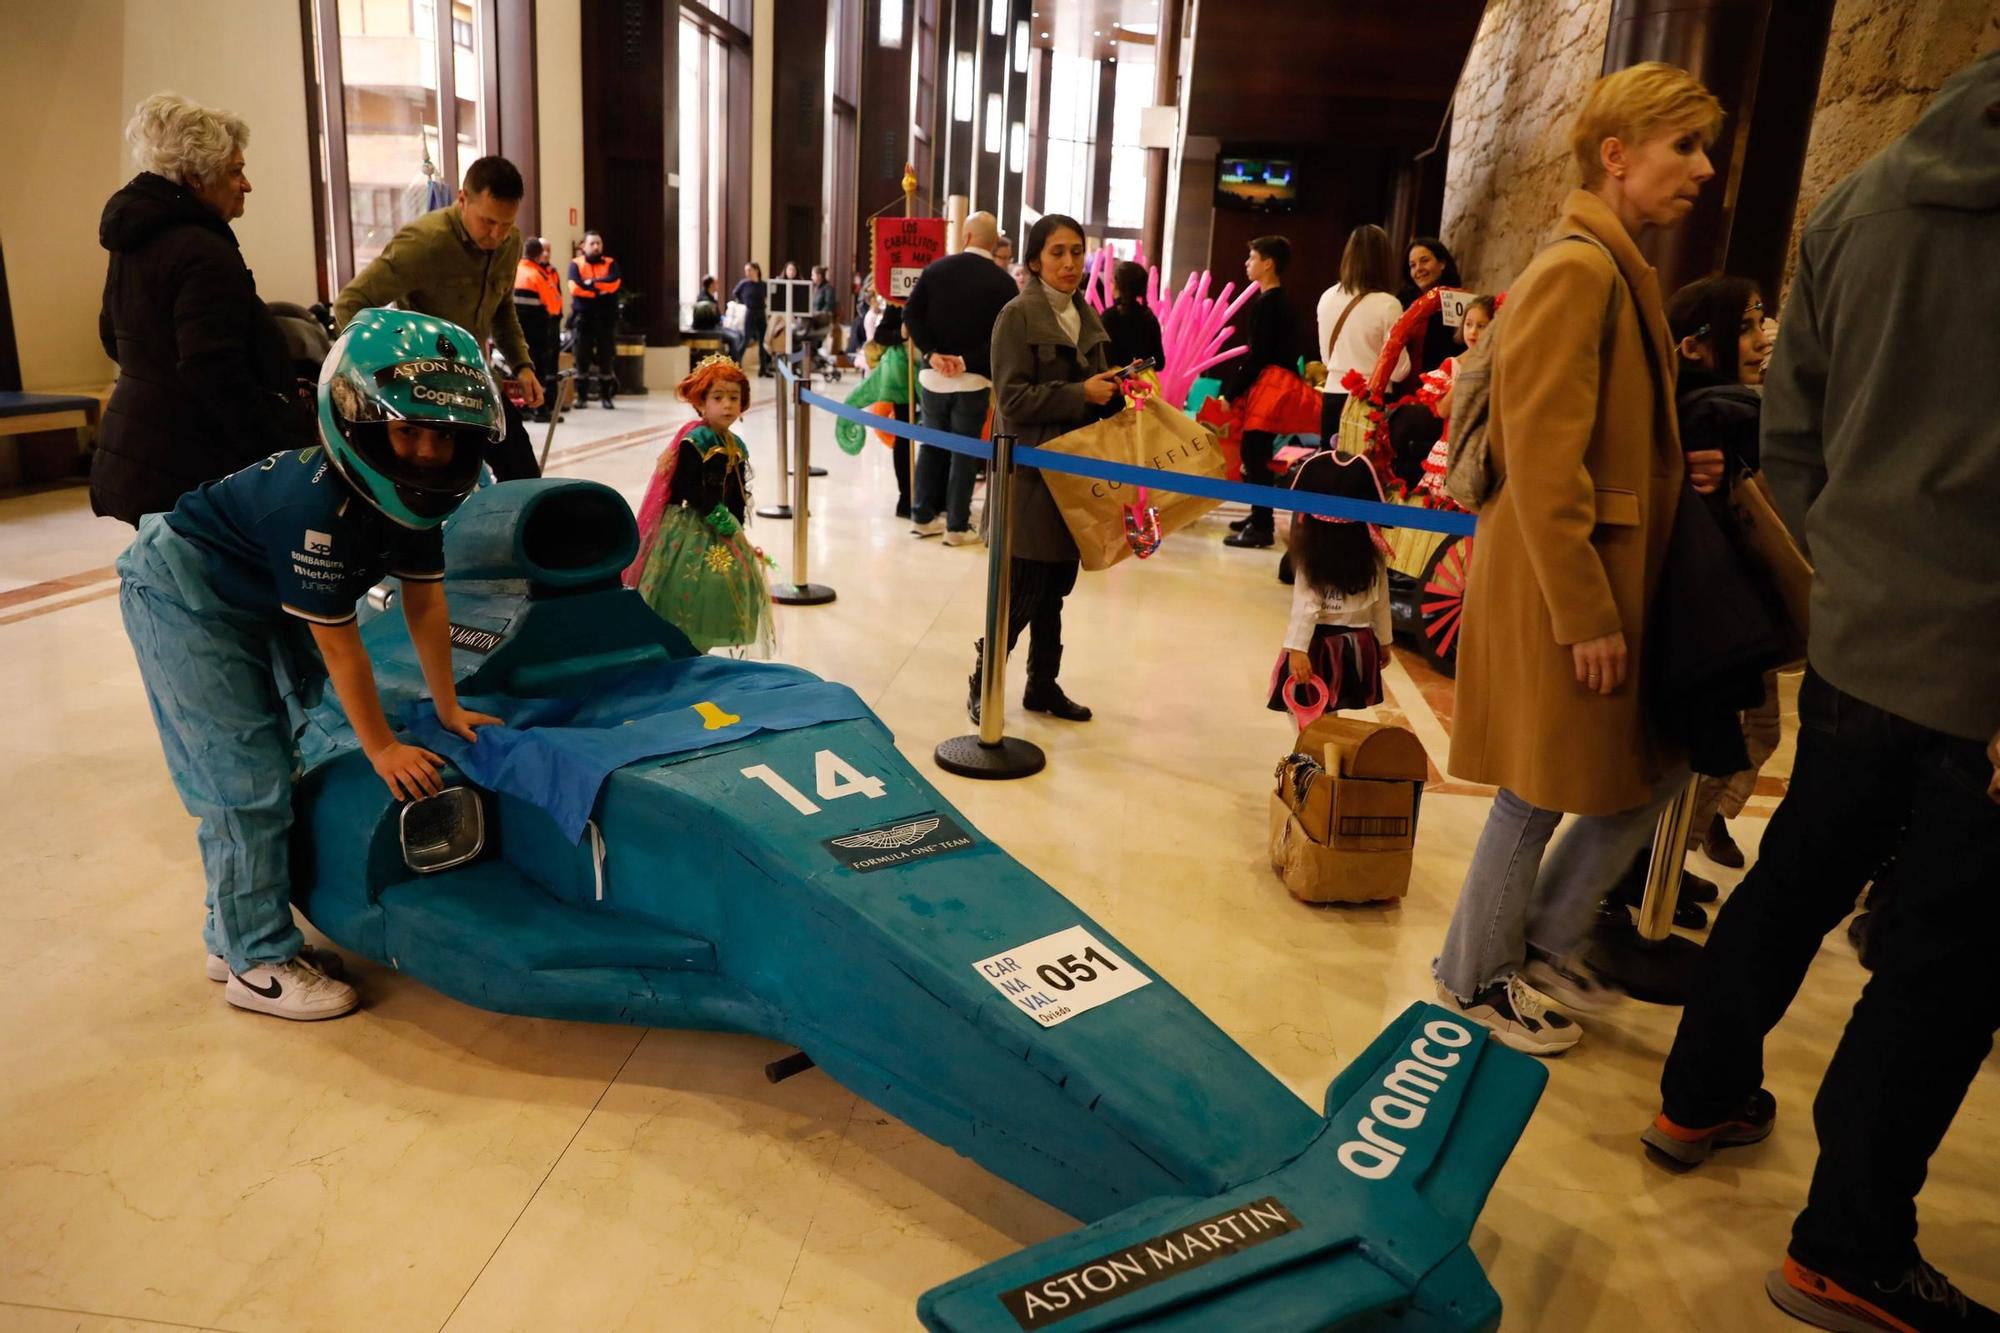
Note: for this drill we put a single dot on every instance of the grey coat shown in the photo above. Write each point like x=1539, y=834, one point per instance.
x=1038, y=379
x=1882, y=452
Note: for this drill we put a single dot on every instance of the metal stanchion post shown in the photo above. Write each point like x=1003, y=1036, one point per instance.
x=554, y=397
x=783, y=406
x=990, y=753
x=1648, y=960
x=1663, y=876
x=801, y=592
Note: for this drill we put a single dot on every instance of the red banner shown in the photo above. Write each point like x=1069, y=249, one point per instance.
x=901, y=248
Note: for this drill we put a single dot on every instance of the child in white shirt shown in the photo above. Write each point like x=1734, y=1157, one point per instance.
x=1340, y=627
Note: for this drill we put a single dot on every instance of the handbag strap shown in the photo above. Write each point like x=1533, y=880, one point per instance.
x=1338, y=325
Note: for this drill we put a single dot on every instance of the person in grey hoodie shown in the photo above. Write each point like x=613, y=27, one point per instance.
x=1887, y=466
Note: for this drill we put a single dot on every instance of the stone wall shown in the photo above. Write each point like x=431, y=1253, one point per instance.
x=1533, y=59
x=1884, y=59
x=1509, y=167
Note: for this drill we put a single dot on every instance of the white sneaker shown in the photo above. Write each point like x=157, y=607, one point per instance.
x=931, y=529
x=326, y=960
x=966, y=538
x=1574, y=986
x=292, y=989
x=1518, y=1016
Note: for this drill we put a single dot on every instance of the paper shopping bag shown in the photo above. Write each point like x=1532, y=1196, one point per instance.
x=1149, y=434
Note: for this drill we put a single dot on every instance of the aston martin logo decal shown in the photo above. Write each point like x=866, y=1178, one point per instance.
x=898, y=843
x=897, y=835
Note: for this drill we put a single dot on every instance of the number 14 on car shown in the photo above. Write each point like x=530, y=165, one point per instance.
x=833, y=778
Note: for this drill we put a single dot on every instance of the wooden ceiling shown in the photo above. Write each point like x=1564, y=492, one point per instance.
x=1372, y=72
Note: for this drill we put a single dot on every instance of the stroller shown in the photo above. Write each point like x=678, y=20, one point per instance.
x=308, y=336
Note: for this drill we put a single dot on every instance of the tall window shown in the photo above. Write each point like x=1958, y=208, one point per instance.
x=843, y=83
x=1072, y=138
x=1125, y=201
x=406, y=103
x=704, y=156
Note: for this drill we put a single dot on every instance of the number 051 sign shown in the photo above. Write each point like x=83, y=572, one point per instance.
x=1059, y=976
x=902, y=249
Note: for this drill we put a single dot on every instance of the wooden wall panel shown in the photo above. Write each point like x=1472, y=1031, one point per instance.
x=629, y=93
x=798, y=133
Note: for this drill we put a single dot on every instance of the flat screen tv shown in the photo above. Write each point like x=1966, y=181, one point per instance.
x=1260, y=184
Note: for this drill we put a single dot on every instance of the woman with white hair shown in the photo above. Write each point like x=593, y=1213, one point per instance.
x=204, y=383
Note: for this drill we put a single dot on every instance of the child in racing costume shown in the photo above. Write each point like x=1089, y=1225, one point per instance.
x=695, y=566
x=240, y=603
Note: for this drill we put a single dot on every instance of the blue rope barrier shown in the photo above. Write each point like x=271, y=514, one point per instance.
x=1274, y=497
x=958, y=444
x=1180, y=483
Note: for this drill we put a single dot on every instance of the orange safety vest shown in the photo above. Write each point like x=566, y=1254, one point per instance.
x=602, y=273
x=539, y=280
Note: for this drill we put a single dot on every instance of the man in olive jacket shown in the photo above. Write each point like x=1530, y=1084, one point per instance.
x=1889, y=470
x=458, y=263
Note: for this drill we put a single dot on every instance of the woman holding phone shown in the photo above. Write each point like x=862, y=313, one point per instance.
x=1051, y=374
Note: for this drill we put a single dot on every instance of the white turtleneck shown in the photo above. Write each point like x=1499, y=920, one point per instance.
x=1064, y=304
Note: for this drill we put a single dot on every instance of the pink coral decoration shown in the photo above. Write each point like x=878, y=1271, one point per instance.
x=1194, y=326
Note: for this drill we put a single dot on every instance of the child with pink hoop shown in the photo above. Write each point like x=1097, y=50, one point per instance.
x=1338, y=640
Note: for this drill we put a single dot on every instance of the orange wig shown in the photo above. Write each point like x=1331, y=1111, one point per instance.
x=713, y=370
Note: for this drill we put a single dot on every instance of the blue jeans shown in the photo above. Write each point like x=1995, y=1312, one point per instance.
x=229, y=692
x=942, y=473
x=1514, y=900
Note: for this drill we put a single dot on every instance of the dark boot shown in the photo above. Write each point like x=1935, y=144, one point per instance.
x=1631, y=890
x=1045, y=656
x=1048, y=697
x=1254, y=537
x=1698, y=888
x=1722, y=848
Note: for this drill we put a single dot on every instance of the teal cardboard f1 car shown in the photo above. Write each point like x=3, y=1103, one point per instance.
x=682, y=841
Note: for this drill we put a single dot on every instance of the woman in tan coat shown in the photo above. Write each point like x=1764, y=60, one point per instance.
x=1567, y=556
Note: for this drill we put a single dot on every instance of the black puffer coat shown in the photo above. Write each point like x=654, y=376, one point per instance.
x=204, y=382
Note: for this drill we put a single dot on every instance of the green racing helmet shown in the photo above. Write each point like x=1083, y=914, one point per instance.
x=397, y=365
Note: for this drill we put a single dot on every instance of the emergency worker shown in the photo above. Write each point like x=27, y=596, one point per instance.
x=538, y=305
x=594, y=280
x=240, y=604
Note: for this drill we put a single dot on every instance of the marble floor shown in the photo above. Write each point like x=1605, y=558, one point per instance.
x=169, y=1162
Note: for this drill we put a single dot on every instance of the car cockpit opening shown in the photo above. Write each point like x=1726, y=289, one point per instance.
x=575, y=530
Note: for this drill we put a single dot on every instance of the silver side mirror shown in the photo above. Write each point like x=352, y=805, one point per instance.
x=444, y=830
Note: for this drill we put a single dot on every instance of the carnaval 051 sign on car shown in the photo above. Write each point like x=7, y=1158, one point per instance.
x=1059, y=976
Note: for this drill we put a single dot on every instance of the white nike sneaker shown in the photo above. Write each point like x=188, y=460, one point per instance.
x=965, y=538
x=1518, y=1016
x=933, y=528
x=292, y=989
